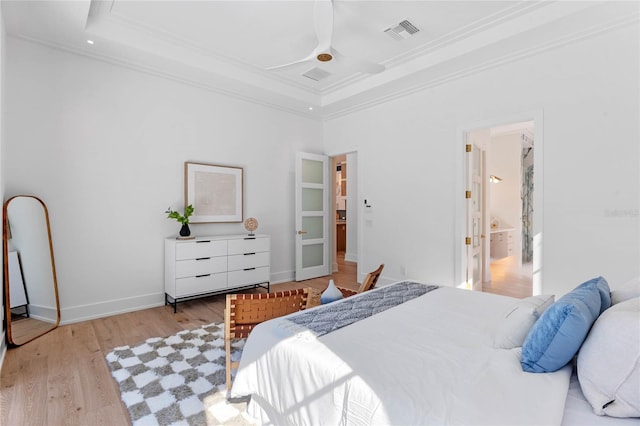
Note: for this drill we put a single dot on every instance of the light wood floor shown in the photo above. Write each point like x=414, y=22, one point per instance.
x=509, y=279
x=62, y=378
x=23, y=329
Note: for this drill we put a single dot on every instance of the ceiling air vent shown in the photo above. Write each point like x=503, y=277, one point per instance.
x=402, y=30
x=316, y=74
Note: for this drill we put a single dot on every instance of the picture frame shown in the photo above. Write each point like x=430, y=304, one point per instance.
x=214, y=191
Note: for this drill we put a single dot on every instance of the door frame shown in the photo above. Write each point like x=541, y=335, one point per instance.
x=460, y=264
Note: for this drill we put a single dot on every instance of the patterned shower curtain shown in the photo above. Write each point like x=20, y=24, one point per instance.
x=526, y=194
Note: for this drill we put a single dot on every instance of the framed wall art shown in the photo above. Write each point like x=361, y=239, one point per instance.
x=215, y=192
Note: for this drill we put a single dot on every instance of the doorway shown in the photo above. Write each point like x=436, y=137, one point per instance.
x=506, y=222
x=344, y=196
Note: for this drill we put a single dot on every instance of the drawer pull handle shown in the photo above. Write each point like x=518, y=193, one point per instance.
x=205, y=275
x=249, y=238
x=248, y=254
x=249, y=269
x=202, y=241
x=203, y=258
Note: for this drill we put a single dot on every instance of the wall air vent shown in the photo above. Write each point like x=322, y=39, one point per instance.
x=316, y=74
x=402, y=30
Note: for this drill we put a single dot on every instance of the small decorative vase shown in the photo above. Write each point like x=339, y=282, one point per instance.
x=185, y=231
x=331, y=294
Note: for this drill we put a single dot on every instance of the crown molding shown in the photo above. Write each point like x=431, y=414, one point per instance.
x=104, y=18
x=285, y=104
x=323, y=110
x=515, y=56
x=499, y=18
x=488, y=31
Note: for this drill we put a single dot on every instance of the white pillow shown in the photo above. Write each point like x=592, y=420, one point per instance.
x=514, y=327
x=609, y=361
x=627, y=291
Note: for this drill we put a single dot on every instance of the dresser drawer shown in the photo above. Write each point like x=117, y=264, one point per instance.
x=201, y=266
x=198, y=249
x=247, y=277
x=248, y=245
x=252, y=260
x=204, y=284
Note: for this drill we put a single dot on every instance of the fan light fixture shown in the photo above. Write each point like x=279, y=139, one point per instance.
x=324, y=51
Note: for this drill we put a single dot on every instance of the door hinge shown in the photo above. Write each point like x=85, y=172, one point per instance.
x=467, y=241
x=467, y=194
x=468, y=147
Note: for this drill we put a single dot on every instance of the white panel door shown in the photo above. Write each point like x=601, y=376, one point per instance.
x=312, y=215
x=475, y=216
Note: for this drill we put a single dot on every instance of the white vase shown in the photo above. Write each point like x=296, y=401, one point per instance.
x=331, y=294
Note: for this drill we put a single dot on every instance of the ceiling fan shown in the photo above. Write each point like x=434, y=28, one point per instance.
x=324, y=51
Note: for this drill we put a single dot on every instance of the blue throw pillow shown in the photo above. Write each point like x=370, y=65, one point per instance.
x=603, y=289
x=558, y=334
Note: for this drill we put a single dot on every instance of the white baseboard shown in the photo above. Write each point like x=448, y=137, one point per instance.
x=351, y=257
x=43, y=313
x=91, y=311
x=111, y=307
x=383, y=282
x=283, y=277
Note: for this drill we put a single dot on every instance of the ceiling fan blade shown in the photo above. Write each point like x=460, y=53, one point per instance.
x=361, y=65
x=308, y=58
x=323, y=22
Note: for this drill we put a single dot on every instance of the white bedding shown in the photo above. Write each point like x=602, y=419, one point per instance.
x=427, y=361
x=578, y=412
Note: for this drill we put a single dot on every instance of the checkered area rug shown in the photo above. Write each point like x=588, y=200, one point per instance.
x=178, y=380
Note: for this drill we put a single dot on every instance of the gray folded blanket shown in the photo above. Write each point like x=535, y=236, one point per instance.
x=338, y=314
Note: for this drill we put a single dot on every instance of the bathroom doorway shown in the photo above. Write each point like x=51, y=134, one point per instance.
x=507, y=189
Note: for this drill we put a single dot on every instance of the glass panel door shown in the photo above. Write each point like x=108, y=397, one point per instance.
x=312, y=215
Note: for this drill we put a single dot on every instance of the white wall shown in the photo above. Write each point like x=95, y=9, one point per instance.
x=591, y=176
x=104, y=147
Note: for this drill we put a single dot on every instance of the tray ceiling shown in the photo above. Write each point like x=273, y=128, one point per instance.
x=226, y=46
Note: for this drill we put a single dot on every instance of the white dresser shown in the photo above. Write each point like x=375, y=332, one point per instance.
x=215, y=264
x=501, y=243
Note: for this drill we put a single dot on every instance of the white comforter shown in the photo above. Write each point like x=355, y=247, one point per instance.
x=427, y=361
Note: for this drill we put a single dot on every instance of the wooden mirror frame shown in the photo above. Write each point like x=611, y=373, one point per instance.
x=37, y=327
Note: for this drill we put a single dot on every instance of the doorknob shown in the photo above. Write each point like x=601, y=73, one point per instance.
x=302, y=232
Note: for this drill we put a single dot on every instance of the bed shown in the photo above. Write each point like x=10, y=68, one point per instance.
x=429, y=360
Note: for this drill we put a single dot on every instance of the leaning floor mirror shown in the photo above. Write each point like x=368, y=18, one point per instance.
x=32, y=307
